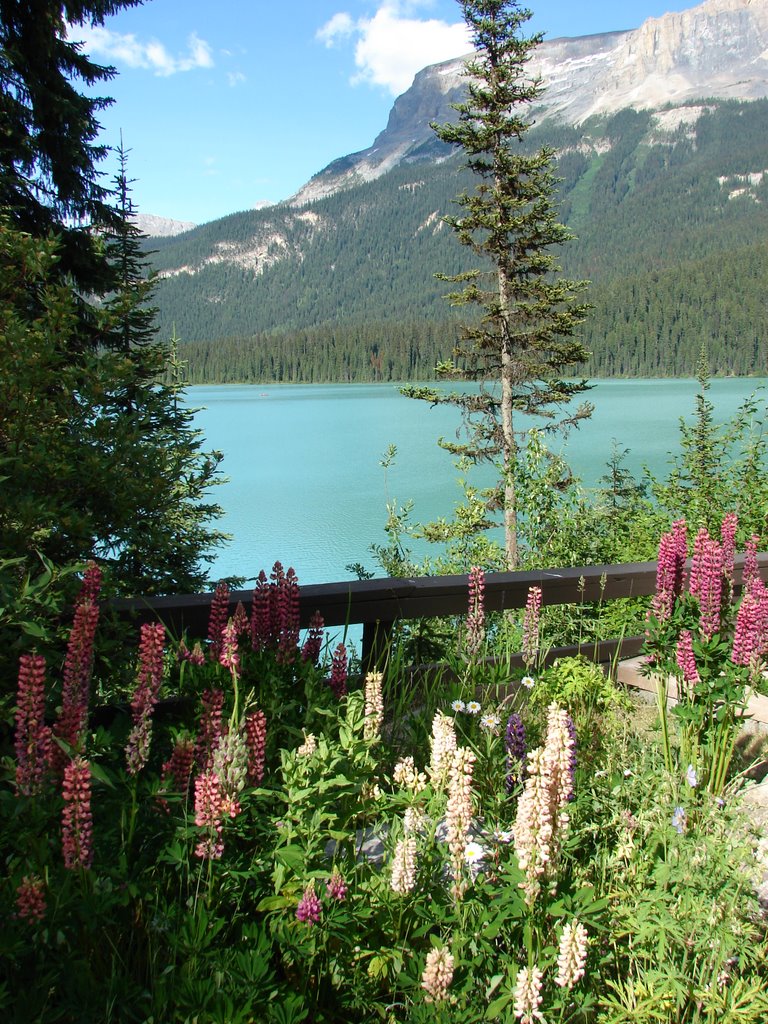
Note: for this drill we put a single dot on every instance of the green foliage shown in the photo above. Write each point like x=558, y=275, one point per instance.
x=153, y=931
x=98, y=460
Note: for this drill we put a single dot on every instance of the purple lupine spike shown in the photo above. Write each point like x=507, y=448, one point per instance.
x=218, y=619
x=338, y=677
x=313, y=645
x=673, y=551
x=515, y=743
x=707, y=582
x=260, y=613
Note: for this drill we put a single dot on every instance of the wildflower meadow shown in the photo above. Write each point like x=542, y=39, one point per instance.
x=259, y=833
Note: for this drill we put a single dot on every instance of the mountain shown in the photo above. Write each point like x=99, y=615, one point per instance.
x=718, y=49
x=161, y=227
x=661, y=135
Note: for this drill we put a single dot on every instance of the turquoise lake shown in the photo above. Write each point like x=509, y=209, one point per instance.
x=306, y=484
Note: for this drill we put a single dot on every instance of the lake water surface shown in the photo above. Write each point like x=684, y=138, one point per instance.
x=305, y=481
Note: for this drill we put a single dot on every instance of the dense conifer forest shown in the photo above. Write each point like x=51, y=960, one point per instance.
x=669, y=223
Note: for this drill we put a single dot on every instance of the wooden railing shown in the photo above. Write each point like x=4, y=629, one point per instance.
x=379, y=604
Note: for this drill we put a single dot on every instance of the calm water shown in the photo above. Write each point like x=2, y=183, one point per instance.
x=305, y=481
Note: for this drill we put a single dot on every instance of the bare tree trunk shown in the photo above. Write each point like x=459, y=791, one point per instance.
x=509, y=445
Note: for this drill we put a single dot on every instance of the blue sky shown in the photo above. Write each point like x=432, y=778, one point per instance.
x=225, y=104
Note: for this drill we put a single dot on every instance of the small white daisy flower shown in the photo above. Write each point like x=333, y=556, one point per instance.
x=473, y=707
x=527, y=682
x=490, y=722
x=458, y=705
x=473, y=853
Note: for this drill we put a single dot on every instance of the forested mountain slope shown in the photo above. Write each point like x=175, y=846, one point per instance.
x=670, y=210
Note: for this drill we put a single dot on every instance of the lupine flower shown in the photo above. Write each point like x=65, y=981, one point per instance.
x=728, y=544
x=673, y=551
x=751, y=629
x=76, y=821
x=78, y=665
x=541, y=815
x=406, y=775
x=476, y=611
x=313, y=645
x=150, y=676
x=413, y=821
x=534, y=827
x=228, y=653
x=528, y=995
x=230, y=764
x=443, y=747
x=240, y=621
x=707, y=581
x=91, y=585
x=338, y=678
x=261, y=614
x=750, y=572
x=32, y=737
x=572, y=955
x=559, y=755
x=374, y=706
x=336, y=887
x=178, y=768
x=210, y=728
x=679, y=819
x=403, y=878
x=310, y=908
x=438, y=975
x=219, y=616
x=256, y=742
x=531, y=619
x=194, y=657
x=288, y=605
x=30, y=899
x=458, y=814
x=208, y=815
x=514, y=741
x=686, y=659
x=309, y=746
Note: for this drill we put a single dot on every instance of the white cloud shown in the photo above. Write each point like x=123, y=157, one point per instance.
x=126, y=49
x=235, y=78
x=392, y=46
x=340, y=25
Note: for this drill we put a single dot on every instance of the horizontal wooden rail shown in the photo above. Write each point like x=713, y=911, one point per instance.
x=378, y=604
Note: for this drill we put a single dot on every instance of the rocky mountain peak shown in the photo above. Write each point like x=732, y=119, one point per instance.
x=718, y=49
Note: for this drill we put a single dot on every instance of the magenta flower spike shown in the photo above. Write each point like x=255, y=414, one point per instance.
x=76, y=820
x=32, y=738
x=218, y=618
x=256, y=741
x=338, y=678
x=145, y=695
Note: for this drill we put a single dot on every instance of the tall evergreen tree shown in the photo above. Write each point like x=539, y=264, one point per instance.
x=523, y=340
x=97, y=457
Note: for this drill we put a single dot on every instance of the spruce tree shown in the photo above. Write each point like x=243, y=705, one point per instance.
x=98, y=458
x=524, y=339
